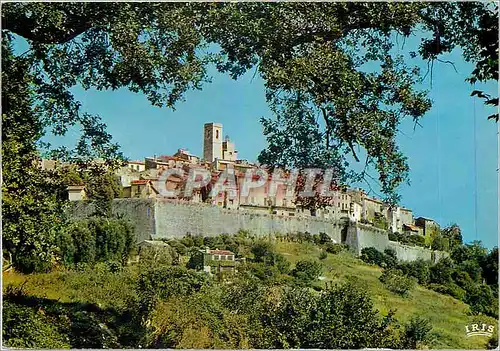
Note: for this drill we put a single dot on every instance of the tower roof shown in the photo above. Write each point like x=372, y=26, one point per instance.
x=214, y=124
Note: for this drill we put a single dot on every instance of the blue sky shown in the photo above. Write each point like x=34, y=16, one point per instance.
x=440, y=153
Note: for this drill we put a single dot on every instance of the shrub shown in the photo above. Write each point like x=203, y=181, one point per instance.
x=390, y=258
x=323, y=255
x=27, y=262
x=84, y=242
x=335, y=248
x=492, y=343
x=481, y=300
x=261, y=249
x=417, y=240
x=187, y=241
x=26, y=327
x=198, y=240
x=178, y=246
x=350, y=309
x=307, y=271
x=164, y=282
x=393, y=236
x=96, y=240
x=157, y=255
x=213, y=242
x=472, y=268
x=32, y=322
x=279, y=261
x=450, y=289
x=372, y=255
x=397, y=282
x=441, y=272
x=267, y=273
x=416, y=333
x=440, y=243
x=324, y=238
x=419, y=269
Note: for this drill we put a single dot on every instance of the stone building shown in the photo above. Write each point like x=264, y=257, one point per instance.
x=228, y=151
x=163, y=162
x=142, y=188
x=212, y=142
x=429, y=227
x=373, y=207
x=138, y=166
x=186, y=156
x=213, y=261
x=398, y=217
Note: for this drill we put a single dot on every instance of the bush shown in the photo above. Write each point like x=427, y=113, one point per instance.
x=492, y=343
x=261, y=250
x=397, y=282
x=323, y=255
x=26, y=327
x=324, y=238
x=416, y=333
x=419, y=269
x=178, y=246
x=157, y=255
x=307, y=271
x=27, y=262
x=393, y=236
x=442, y=272
x=96, y=240
x=417, y=240
x=32, y=322
x=481, y=300
x=450, y=289
x=372, y=255
x=390, y=258
x=342, y=317
x=164, y=282
x=335, y=248
x=267, y=273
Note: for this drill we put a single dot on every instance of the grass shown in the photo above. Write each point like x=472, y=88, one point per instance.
x=448, y=316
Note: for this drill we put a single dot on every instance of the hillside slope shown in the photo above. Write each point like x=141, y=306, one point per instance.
x=108, y=291
x=447, y=315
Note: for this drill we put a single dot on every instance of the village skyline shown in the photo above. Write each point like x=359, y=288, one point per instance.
x=448, y=165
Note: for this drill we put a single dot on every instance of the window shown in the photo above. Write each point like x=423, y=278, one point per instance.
x=223, y=257
x=216, y=134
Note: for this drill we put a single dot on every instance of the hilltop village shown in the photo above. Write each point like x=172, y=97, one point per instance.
x=139, y=179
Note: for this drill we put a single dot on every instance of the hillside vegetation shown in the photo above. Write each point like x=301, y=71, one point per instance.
x=269, y=303
x=447, y=315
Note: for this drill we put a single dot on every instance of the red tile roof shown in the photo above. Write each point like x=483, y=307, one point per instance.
x=412, y=227
x=140, y=181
